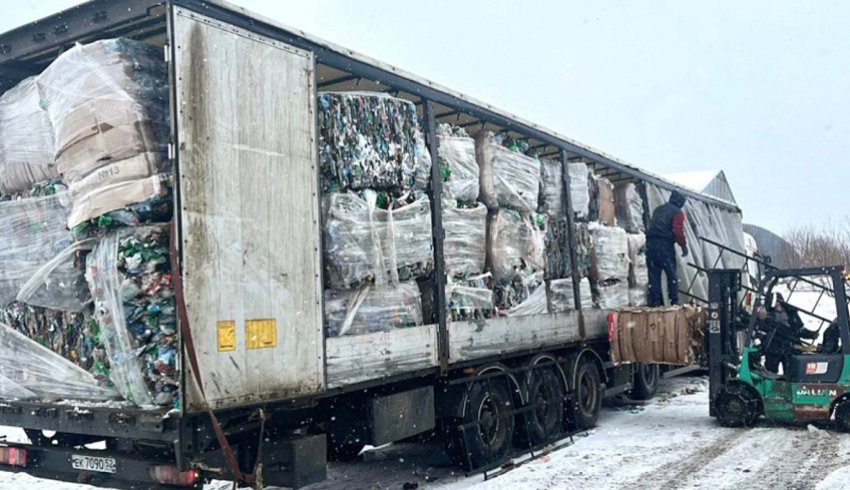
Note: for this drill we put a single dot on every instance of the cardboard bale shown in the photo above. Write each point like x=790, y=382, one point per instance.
x=658, y=335
x=605, y=202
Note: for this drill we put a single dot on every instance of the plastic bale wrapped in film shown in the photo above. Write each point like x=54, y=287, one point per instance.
x=26, y=140
x=579, y=189
x=612, y=294
x=130, y=278
x=515, y=244
x=638, y=272
x=458, y=166
x=508, y=178
x=351, y=246
x=156, y=207
x=509, y=294
x=583, y=248
x=364, y=243
x=29, y=370
x=557, y=249
x=592, y=196
x=637, y=296
x=535, y=303
x=609, y=253
x=372, y=309
x=561, y=296
x=629, y=207
x=73, y=335
x=470, y=298
x=369, y=140
x=408, y=245
x=552, y=189
x=465, y=244
x=37, y=261
x=108, y=103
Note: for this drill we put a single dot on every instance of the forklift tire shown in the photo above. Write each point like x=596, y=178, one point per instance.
x=737, y=405
x=588, y=395
x=645, y=382
x=842, y=415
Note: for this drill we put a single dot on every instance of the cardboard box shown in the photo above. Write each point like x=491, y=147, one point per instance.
x=97, y=139
x=133, y=168
x=669, y=335
x=113, y=197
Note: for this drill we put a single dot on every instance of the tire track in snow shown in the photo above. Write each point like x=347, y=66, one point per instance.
x=675, y=473
x=824, y=457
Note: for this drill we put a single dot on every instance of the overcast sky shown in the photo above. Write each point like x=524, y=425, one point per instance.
x=758, y=89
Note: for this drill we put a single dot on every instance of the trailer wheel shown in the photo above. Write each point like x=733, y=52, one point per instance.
x=489, y=440
x=645, y=381
x=588, y=395
x=546, y=395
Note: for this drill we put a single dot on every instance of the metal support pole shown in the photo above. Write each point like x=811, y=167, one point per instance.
x=723, y=287
x=438, y=235
x=571, y=242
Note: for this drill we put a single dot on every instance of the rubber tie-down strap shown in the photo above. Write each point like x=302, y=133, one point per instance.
x=189, y=346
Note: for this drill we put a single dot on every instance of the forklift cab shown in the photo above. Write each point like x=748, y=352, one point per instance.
x=815, y=372
x=781, y=333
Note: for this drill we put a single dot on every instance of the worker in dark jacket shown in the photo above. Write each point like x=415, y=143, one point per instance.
x=666, y=228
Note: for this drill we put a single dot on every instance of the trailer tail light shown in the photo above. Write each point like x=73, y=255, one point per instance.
x=13, y=456
x=748, y=299
x=612, y=323
x=168, y=475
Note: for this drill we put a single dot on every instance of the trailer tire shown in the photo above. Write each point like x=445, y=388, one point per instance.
x=588, y=395
x=489, y=442
x=544, y=421
x=645, y=381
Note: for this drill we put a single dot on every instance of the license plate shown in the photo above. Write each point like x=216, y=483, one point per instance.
x=91, y=463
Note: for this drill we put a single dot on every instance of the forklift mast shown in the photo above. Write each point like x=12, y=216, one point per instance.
x=723, y=309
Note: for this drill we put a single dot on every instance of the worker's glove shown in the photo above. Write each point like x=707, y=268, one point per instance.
x=685, y=251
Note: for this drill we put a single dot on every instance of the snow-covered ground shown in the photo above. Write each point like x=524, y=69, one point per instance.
x=670, y=442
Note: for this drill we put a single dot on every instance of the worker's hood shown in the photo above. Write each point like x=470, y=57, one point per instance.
x=677, y=199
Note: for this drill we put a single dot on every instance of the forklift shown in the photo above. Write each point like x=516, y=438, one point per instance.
x=782, y=370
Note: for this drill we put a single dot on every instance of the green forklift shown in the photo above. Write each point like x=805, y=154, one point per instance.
x=767, y=362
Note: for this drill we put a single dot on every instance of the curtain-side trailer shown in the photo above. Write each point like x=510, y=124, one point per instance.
x=264, y=389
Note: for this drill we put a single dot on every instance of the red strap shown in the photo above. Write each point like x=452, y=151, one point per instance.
x=189, y=345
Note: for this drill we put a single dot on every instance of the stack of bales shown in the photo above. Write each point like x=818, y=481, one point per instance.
x=377, y=219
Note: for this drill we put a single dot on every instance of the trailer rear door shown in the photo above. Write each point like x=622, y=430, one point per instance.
x=246, y=129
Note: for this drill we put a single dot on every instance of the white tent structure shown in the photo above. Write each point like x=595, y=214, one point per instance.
x=711, y=182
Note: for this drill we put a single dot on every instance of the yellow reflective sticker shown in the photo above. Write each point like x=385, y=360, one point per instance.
x=260, y=334
x=226, y=335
